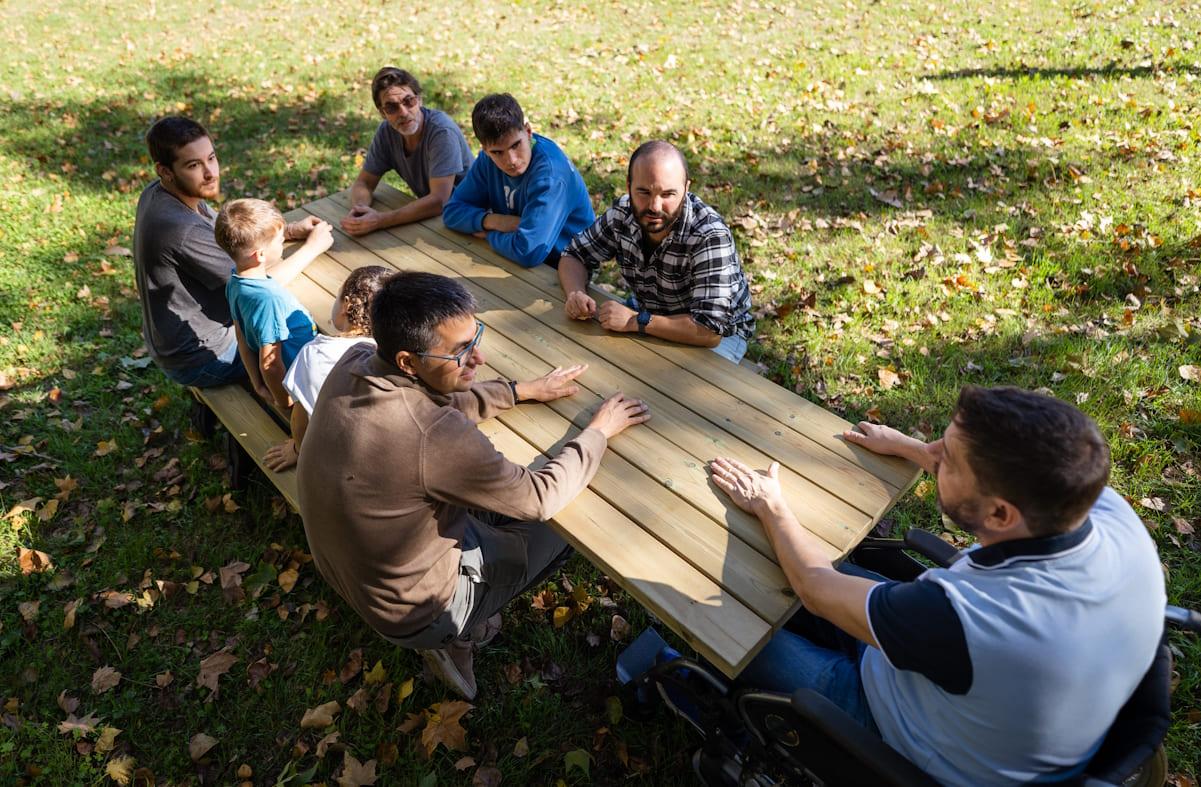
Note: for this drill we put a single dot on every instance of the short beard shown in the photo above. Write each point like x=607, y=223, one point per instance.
x=964, y=516
x=668, y=225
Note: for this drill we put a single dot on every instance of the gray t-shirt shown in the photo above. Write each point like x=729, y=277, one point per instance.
x=181, y=274
x=441, y=153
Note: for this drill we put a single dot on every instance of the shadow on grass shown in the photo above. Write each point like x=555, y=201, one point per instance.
x=1111, y=69
x=98, y=146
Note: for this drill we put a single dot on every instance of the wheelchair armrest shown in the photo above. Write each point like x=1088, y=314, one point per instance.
x=930, y=546
x=1187, y=619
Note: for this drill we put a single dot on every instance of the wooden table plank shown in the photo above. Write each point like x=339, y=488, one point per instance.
x=752, y=578
x=827, y=517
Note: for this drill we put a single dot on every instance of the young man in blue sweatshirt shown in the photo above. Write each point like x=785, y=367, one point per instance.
x=522, y=193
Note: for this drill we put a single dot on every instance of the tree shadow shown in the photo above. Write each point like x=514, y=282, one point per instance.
x=1109, y=70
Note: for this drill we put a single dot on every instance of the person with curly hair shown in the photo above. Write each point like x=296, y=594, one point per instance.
x=352, y=317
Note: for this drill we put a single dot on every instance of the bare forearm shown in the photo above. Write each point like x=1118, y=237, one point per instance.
x=424, y=208
x=300, y=424
x=360, y=194
x=273, y=377
x=249, y=362
x=823, y=590
x=683, y=329
x=573, y=276
x=294, y=264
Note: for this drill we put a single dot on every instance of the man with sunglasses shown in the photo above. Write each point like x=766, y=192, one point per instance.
x=411, y=514
x=422, y=145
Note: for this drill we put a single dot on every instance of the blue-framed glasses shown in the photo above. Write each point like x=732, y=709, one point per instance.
x=461, y=354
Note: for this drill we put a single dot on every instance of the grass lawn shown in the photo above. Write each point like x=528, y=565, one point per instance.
x=924, y=195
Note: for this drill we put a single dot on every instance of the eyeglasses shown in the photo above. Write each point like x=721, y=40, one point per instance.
x=461, y=354
x=392, y=107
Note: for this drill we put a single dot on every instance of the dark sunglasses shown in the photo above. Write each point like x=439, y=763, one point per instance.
x=392, y=107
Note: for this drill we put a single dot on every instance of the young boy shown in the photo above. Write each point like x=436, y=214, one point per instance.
x=522, y=193
x=271, y=324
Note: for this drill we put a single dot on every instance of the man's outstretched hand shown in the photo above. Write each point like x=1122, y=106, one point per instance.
x=617, y=413
x=361, y=220
x=555, y=384
x=280, y=457
x=754, y=491
x=885, y=440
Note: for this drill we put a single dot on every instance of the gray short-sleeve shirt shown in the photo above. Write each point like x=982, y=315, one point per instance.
x=442, y=152
x=181, y=274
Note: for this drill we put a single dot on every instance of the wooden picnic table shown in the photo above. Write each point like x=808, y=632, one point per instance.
x=651, y=518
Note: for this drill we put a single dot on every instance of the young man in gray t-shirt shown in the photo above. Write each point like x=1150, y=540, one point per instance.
x=424, y=146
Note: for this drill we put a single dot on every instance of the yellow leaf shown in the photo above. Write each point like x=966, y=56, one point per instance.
x=105, y=447
x=376, y=674
x=888, y=377
x=69, y=611
x=120, y=769
x=287, y=579
x=405, y=690
x=230, y=504
x=47, y=512
x=107, y=740
x=562, y=615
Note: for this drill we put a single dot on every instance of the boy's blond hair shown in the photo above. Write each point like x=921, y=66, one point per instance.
x=246, y=225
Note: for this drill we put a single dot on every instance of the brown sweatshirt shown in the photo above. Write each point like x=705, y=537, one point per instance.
x=387, y=473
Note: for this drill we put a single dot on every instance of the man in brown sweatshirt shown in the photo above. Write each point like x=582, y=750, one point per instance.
x=411, y=514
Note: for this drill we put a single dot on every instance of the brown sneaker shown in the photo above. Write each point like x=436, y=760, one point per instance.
x=453, y=666
x=483, y=633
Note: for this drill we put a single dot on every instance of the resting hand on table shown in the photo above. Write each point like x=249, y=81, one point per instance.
x=555, y=384
x=617, y=413
x=280, y=457
x=579, y=306
x=361, y=220
x=614, y=316
x=299, y=230
x=754, y=491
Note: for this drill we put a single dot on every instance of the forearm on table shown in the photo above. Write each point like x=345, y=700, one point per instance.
x=683, y=329
x=271, y=363
x=300, y=424
x=823, y=590
x=573, y=276
x=249, y=362
x=363, y=190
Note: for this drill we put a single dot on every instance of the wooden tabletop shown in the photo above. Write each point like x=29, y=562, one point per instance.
x=651, y=518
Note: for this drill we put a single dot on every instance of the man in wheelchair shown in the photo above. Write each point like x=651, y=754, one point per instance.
x=1011, y=664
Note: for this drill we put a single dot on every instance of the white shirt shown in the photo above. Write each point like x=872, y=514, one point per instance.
x=313, y=363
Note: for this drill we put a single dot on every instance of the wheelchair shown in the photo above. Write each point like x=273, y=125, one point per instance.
x=756, y=738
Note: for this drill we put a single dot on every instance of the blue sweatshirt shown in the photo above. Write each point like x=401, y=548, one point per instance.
x=550, y=197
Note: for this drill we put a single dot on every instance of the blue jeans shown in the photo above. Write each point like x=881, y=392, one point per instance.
x=812, y=653
x=225, y=368
x=732, y=348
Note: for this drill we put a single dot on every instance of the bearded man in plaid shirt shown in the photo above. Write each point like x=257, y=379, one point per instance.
x=675, y=253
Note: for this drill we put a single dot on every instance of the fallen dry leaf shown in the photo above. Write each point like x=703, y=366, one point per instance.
x=320, y=717
x=521, y=748
x=69, y=611
x=32, y=561
x=406, y=688
x=620, y=629
x=214, y=667
x=465, y=762
x=29, y=610
x=67, y=702
x=487, y=776
x=355, y=773
x=231, y=581
x=287, y=579
x=105, y=447
x=200, y=745
x=442, y=726
x=324, y=744
x=1191, y=373
x=888, y=377
x=376, y=674
x=86, y=725
x=164, y=679
x=561, y=616
x=107, y=739
x=352, y=667
x=120, y=769
x=359, y=701
x=104, y=678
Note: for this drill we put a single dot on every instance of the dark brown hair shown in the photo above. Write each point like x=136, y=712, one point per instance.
x=391, y=76
x=1039, y=453
x=496, y=115
x=169, y=134
x=357, y=291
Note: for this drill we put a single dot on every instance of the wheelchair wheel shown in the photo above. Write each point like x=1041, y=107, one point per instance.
x=1152, y=773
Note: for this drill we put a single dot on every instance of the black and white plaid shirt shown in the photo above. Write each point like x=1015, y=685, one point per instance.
x=694, y=271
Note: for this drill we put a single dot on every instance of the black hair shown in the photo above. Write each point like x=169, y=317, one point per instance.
x=408, y=309
x=1039, y=453
x=391, y=76
x=496, y=115
x=655, y=147
x=169, y=134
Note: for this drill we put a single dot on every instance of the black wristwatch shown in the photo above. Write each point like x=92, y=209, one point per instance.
x=644, y=319
x=513, y=388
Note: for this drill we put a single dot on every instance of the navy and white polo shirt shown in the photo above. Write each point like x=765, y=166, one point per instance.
x=1011, y=664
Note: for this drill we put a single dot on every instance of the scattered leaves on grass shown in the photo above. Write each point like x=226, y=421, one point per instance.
x=200, y=745
x=231, y=581
x=359, y=701
x=287, y=579
x=68, y=703
x=487, y=776
x=355, y=773
x=352, y=667
x=164, y=679
x=324, y=744
x=406, y=688
x=107, y=740
x=29, y=610
x=577, y=759
x=464, y=762
x=69, y=611
x=376, y=674
x=521, y=748
x=105, y=447
x=320, y=717
x=620, y=629
x=104, y=678
x=1191, y=373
